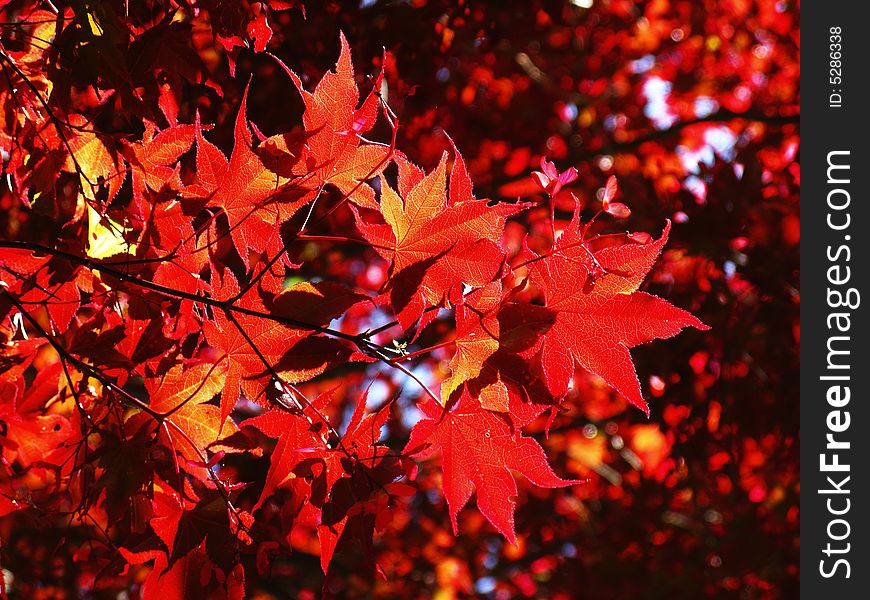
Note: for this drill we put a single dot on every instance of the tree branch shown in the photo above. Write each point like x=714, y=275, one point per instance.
x=720, y=116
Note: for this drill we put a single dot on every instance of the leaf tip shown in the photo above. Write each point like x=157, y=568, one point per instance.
x=344, y=64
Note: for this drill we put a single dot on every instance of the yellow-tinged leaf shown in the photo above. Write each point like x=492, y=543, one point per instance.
x=96, y=165
x=477, y=331
x=41, y=37
x=96, y=28
x=106, y=237
x=92, y=158
x=201, y=424
x=200, y=383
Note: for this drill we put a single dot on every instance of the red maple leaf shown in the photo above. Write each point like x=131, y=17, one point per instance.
x=338, y=483
x=599, y=312
x=154, y=160
x=45, y=281
x=478, y=451
x=250, y=342
x=436, y=245
x=30, y=435
x=334, y=154
x=255, y=197
x=181, y=395
x=299, y=435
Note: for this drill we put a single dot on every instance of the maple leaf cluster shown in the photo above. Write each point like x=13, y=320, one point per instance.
x=190, y=309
